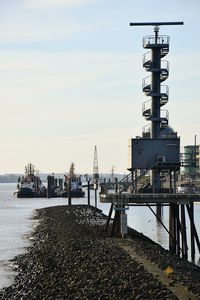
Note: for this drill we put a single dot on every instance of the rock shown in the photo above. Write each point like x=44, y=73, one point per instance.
x=71, y=257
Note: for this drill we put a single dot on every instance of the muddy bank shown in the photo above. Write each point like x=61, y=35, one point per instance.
x=71, y=257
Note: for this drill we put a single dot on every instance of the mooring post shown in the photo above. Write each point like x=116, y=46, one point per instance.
x=49, y=186
x=60, y=183
x=88, y=192
x=56, y=182
x=116, y=185
x=69, y=192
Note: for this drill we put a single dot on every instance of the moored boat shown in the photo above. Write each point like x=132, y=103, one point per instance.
x=30, y=185
x=73, y=185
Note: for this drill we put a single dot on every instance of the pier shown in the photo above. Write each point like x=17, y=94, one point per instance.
x=178, y=205
x=155, y=153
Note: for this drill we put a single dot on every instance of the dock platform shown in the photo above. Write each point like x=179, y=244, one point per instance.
x=129, y=198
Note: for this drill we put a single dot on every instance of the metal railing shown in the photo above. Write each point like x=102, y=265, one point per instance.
x=152, y=40
x=146, y=106
x=146, y=128
x=164, y=113
x=146, y=84
x=165, y=65
x=146, y=57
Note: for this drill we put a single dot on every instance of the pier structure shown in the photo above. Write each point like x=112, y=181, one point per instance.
x=157, y=153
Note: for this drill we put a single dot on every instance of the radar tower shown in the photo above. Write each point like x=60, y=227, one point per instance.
x=159, y=69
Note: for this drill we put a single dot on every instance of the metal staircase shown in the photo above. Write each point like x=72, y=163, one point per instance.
x=161, y=96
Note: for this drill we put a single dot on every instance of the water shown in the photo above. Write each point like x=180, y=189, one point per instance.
x=16, y=224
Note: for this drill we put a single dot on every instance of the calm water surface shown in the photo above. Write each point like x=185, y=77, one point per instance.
x=16, y=224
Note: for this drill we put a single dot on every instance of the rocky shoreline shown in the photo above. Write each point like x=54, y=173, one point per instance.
x=72, y=257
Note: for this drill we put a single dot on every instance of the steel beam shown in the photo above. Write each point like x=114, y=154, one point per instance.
x=155, y=23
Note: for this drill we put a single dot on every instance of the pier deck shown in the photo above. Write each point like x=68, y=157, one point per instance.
x=128, y=198
x=177, y=203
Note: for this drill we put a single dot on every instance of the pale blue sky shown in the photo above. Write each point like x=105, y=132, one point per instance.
x=71, y=76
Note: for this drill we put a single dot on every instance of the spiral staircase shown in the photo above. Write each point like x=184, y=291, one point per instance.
x=162, y=93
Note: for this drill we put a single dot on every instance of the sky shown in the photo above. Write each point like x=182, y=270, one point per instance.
x=71, y=78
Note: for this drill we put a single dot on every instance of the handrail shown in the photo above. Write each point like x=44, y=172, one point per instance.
x=147, y=101
x=144, y=128
x=144, y=107
x=160, y=40
x=144, y=81
x=164, y=114
x=164, y=89
x=145, y=57
x=165, y=64
x=124, y=178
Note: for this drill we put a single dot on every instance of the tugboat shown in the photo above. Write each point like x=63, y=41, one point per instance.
x=30, y=185
x=75, y=182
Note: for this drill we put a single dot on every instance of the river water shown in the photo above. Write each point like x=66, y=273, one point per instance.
x=16, y=224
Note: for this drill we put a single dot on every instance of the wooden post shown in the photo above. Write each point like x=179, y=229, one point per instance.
x=88, y=192
x=95, y=197
x=69, y=192
x=116, y=185
x=60, y=183
x=50, y=180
